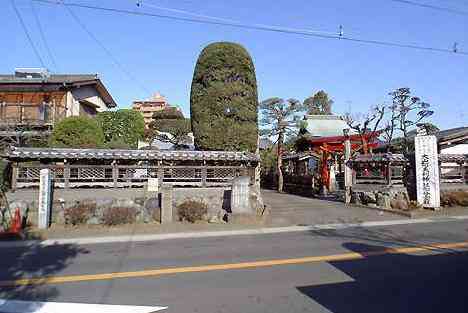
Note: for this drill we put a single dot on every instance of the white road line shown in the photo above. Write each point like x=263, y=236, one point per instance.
x=206, y=234
x=461, y=217
x=16, y=306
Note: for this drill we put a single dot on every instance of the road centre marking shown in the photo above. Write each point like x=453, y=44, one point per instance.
x=229, y=266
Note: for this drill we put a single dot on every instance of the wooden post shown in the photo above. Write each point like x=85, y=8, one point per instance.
x=14, y=176
x=389, y=173
x=160, y=174
x=115, y=174
x=21, y=109
x=66, y=174
x=348, y=171
x=53, y=112
x=2, y=111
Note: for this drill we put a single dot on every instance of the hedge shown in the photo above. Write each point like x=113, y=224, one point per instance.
x=77, y=132
x=224, y=100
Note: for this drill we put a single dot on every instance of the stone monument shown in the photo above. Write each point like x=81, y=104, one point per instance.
x=45, y=199
x=240, y=194
x=427, y=170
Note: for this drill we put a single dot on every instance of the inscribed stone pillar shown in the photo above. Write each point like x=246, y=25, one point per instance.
x=166, y=204
x=240, y=194
x=45, y=199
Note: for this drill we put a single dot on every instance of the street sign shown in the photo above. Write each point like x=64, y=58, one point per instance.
x=45, y=199
x=427, y=171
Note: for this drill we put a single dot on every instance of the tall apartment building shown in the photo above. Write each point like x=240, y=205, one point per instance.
x=147, y=107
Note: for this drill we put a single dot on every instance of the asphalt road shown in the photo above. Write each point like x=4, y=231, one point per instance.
x=367, y=279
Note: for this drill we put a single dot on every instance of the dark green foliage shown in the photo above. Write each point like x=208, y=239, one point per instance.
x=118, y=143
x=171, y=121
x=319, y=104
x=168, y=113
x=37, y=142
x=280, y=118
x=122, y=129
x=223, y=100
x=77, y=132
x=430, y=128
x=268, y=159
x=192, y=210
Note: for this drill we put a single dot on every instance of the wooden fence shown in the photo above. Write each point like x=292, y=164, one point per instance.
x=118, y=176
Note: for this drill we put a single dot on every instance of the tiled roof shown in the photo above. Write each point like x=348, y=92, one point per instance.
x=300, y=155
x=380, y=157
x=53, y=79
x=453, y=158
x=114, y=154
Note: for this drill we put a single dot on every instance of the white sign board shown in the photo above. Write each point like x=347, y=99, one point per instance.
x=427, y=171
x=45, y=199
x=153, y=184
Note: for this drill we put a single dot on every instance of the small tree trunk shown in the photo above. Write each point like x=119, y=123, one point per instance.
x=279, y=161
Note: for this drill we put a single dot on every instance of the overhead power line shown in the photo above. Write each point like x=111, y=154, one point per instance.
x=44, y=40
x=433, y=7
x=258, y=27
x=26, y=32
x=141, y=3
x=116, y=62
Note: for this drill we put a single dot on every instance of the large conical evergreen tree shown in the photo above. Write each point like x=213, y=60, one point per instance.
x=223, y=100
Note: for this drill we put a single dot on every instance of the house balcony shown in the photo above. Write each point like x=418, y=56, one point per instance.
x=30, y=114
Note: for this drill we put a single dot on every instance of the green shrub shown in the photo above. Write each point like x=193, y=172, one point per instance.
x=125, y=127
x=118, y=216
x=77, y=132
x=79, y=214
x=117, y=144
x=192, y=210
x=224, y=100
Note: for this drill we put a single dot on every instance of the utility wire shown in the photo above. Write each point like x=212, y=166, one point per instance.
x=140, y=3
x=433, y=7
x=103, y=47
x=25, y=29
x=257, y=27
x=44, y=40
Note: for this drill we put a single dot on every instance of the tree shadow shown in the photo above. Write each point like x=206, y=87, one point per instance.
x=391, y=237
x=384, y=282
x=34, y=261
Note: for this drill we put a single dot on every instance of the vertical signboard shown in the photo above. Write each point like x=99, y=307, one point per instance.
x=240, y=195
x=45, y=199
x=427, y=171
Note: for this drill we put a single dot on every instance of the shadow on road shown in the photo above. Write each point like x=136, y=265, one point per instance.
x=389, y=237
x=33, y=261
x=396, y=283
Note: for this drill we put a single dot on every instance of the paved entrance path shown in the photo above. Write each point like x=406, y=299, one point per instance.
x=287, y=209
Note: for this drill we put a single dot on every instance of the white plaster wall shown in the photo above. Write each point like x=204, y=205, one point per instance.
x=90, y=94
x=458, y=149
x=72, y=107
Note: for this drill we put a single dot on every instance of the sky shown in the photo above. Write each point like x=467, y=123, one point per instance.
x=160, y=54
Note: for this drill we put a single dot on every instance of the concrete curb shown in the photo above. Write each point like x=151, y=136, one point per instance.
x=191, y=235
